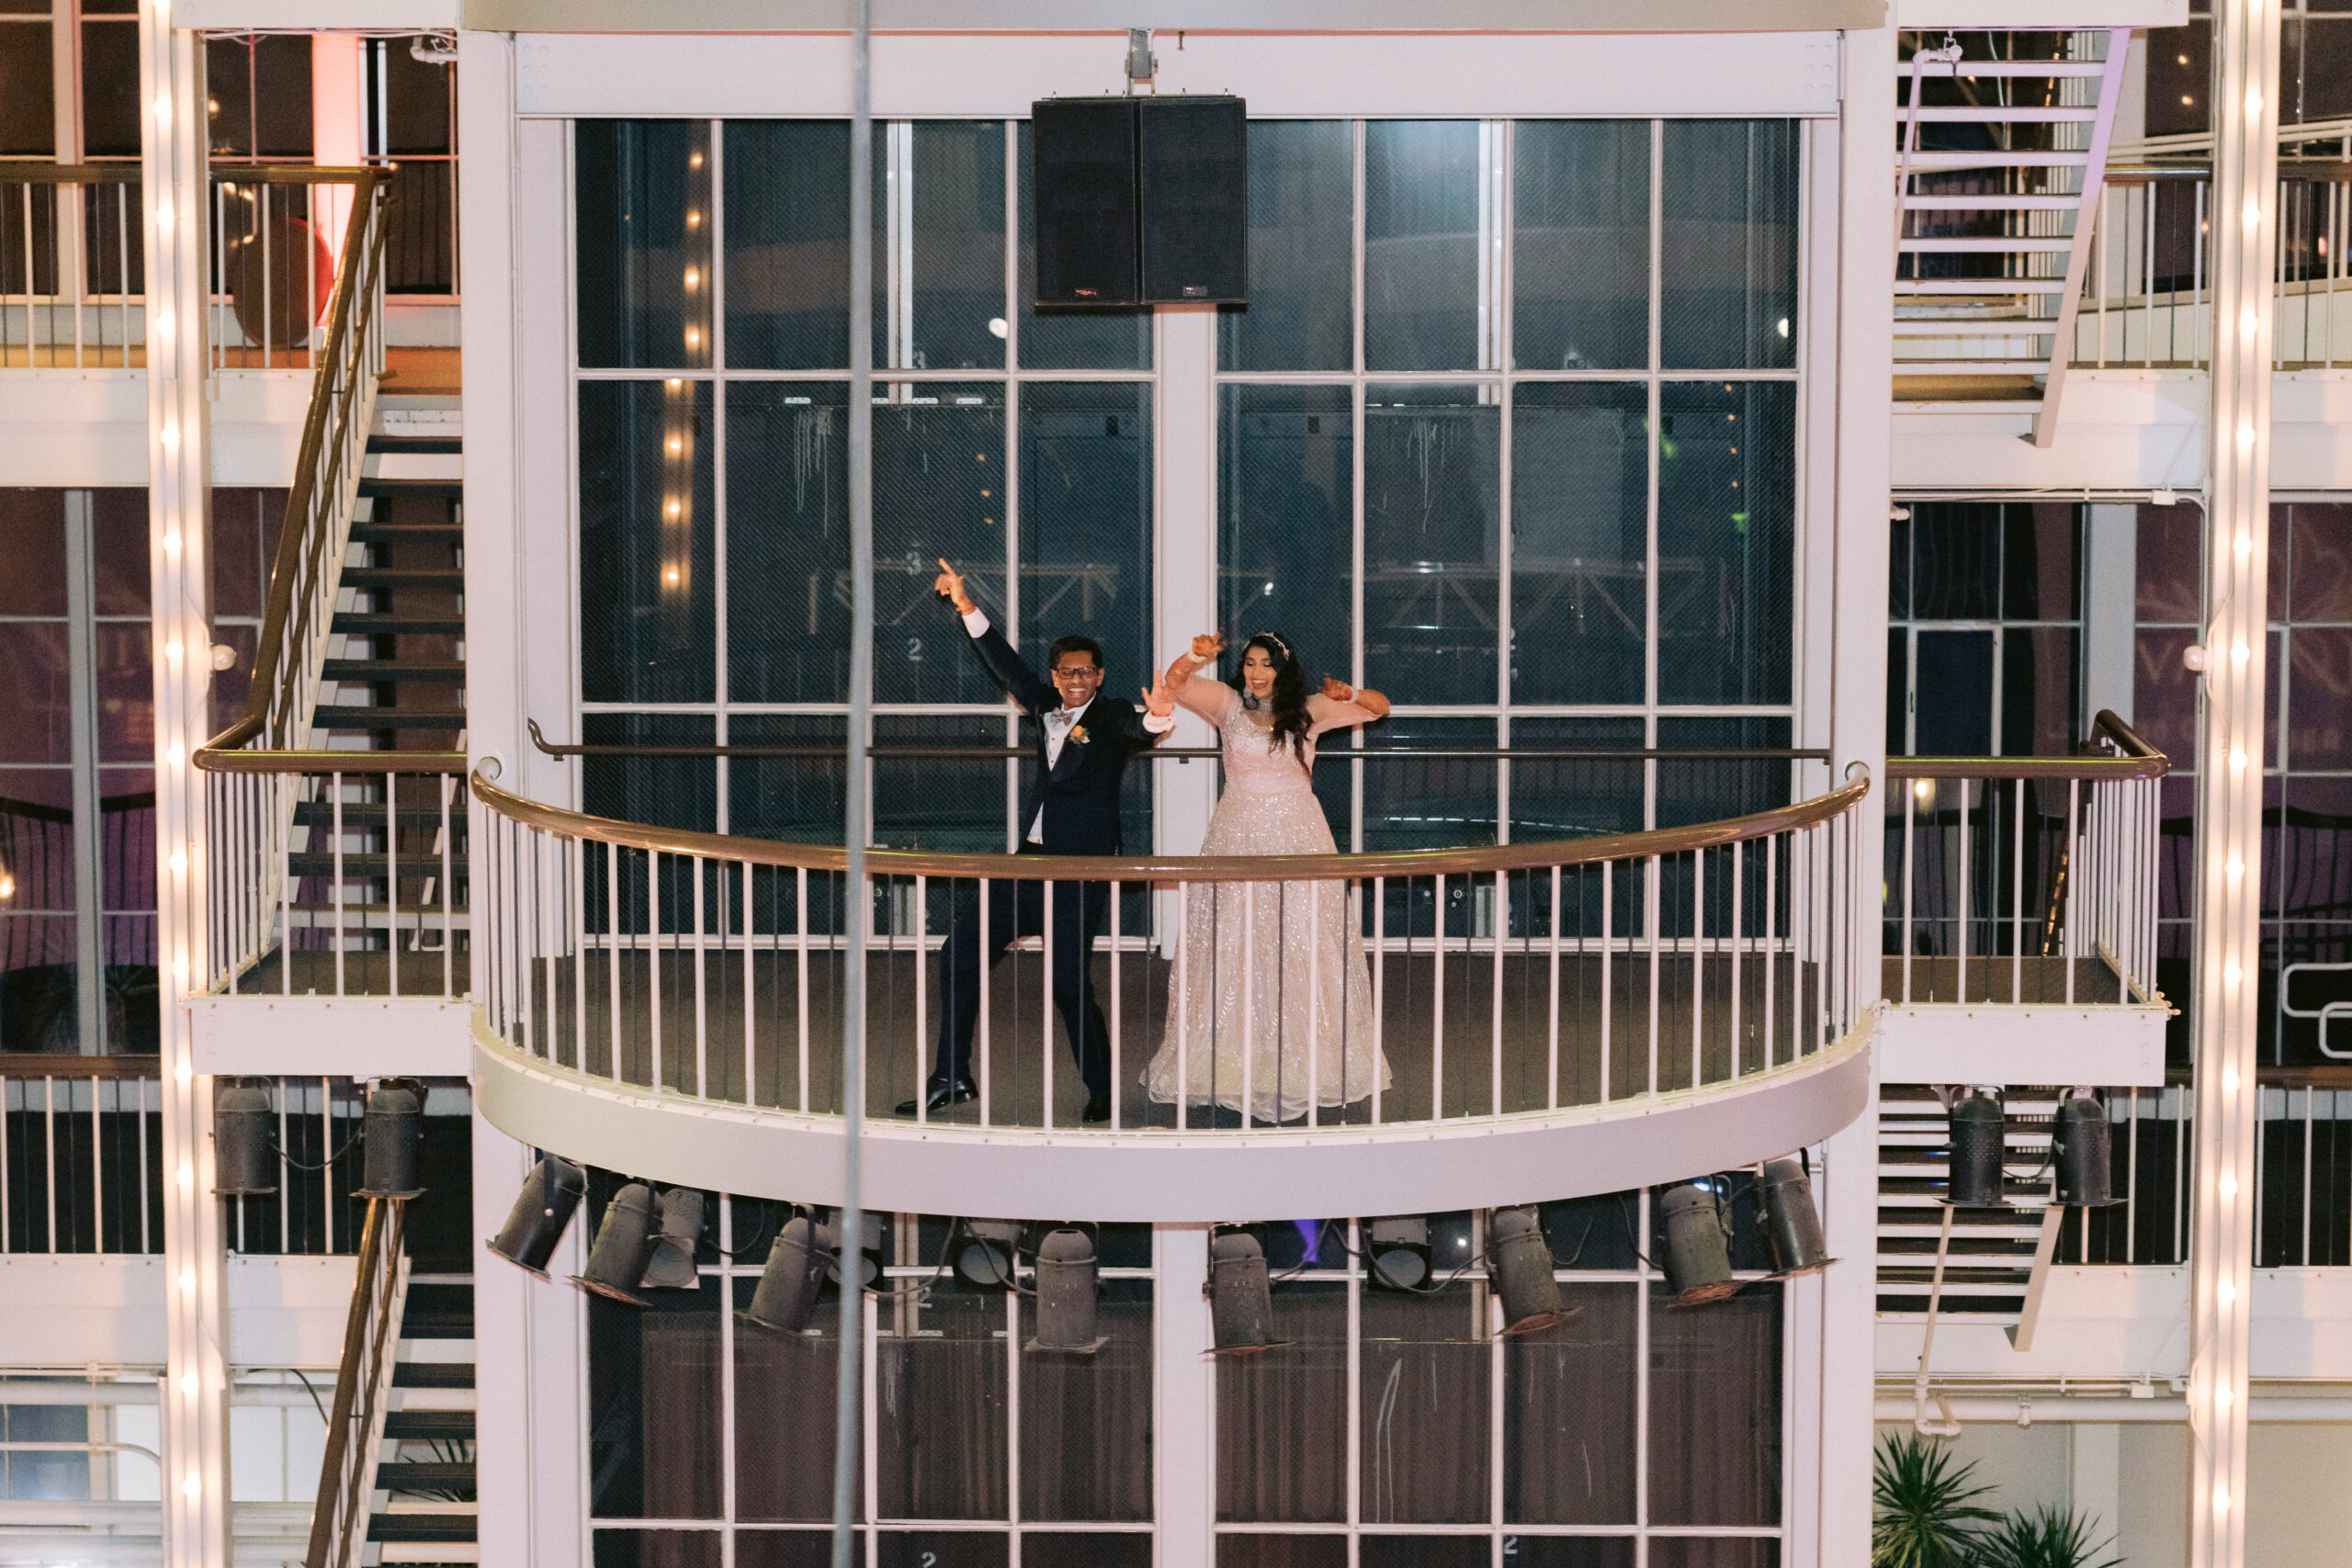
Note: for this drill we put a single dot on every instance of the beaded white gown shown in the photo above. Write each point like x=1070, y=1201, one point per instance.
x=1269, y=1007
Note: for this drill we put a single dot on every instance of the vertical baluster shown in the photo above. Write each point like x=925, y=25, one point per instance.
x=546, y=926
x=1771, y=936
x=987, y=967
x=1181, y=1012
x=1910, y=815
x=1552, y=1016
x=702, y=995
x=1608, y=989
x=1501, y=925
x=1698, y=952
x=750, y=1015
x=2067, y=923
x=653, y=963
x=613, y=955
x=1045, y=1008
x=576, y=915
x=48, y=1148
x=1248, y=947
x=1117, y=1023
x=1967, y=874
x=393, y=883
x=1653, y=923
x=800, y=886
x=1379, y=986
x=335, y=809
x=1738, y=923
x=98, y=1173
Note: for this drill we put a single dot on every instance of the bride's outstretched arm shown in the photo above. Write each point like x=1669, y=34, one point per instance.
x=1374, y=704
x=1203, y=696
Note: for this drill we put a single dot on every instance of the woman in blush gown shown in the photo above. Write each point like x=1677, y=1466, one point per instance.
x=1271, y=998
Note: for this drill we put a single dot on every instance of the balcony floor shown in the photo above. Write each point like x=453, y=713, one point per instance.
x=2034, y=981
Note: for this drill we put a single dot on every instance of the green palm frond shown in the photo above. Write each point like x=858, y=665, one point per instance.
x=2047, y=1538
x=1927, y=1512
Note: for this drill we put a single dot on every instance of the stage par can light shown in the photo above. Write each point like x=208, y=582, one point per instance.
x=868, y=1247
x=394, y=1133
x=1791, y=1219
x=550, y=1194
x=1519, y=1260
x=1066, y=1294
x=1698, y=1243
x=2086, y=1177
x=1398, y=1253
x=244, y=1163
x=1979, y=1130
x=1241, y=1300
x=786, y=1297
x=624, y=1245
x=984, y=1253
x=676, y=1241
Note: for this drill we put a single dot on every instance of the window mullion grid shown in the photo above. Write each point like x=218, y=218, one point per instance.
x=1015, y=829
x=1355, y=514
x=1505, y=241
x=713, y=272
x=1653, y=446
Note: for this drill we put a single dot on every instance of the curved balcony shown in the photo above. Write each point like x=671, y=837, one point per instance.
x=1557, y=1018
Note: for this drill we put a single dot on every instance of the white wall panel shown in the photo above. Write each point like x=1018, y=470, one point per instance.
x=965, y=76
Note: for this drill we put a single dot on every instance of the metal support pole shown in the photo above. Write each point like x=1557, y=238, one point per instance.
x=857, y=913
x=2229, y=777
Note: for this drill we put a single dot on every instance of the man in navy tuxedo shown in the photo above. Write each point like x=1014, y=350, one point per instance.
x=1071, y=807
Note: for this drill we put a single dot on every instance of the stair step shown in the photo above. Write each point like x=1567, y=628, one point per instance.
x=428, y=1554
x=381, y=485
x=374, y=533
x=433, y=1374
x=1971, y=114
x=421, y=672
x=1968, y=70
x=1969, y=326
x=1971, y=406
x=1985, y=244
x=357, y=817
x=434, y=1527
x=1972, y=367
x=1993, y=158
x=428, y=1426
x=417, y=1475
x=328, y=716
x=1986, y=287
x=438, y=1312
x=1988, y=201
x=415, y=444
x=356, y=623
x=444, y=577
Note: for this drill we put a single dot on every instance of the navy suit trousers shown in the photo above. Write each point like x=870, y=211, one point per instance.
x=1015, y=909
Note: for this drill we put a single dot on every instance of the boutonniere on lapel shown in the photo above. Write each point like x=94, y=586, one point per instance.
x=1077, y=733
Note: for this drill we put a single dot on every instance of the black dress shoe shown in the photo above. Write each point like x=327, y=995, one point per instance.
x=1097, y=1109
x=941, y=1093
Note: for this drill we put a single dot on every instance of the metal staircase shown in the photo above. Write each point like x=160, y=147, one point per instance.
x=1990, y=1261
x=1999, y=169
x=426, y=1510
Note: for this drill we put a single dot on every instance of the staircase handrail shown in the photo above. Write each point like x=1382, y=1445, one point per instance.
x=339, y=1519
x=326, y=466
x=2133, y=757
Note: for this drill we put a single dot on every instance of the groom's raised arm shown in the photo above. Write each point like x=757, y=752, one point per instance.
x=1009, y=669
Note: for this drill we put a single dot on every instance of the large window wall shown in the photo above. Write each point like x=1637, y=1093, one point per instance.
x=1509, y=431
x=1384, y=1426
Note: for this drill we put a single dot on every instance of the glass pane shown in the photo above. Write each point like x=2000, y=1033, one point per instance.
x=2321, y=538
x=32, y=540
x=2040, y=689
x=1423, y=1399
x=125, y=666
x=1579, y=542
x=1424, y=1551
x=657, y=1549
x=797, y=800
x=940, y=803
x=938, y=491
x=1580, y=244
x=648, y=576
x=784, y=1386
x=1065, y=338
x=944, y=1549
x=1569, y=798
x=1086, y=1423
x=653, y=1397
x=1056, y=1548
x=1422, y=199
x=1086, y=510
x=941, y=1430
x=282, y=124
x=127, y=895
x=1726, y=541
x=38, y=971
x=1729, y=251
x=35, y=700
x=110, y=89
x=1709, y=789
x=667, y=792
x=787, y=244
x=1302, y=250
x=229, y=85
x=791, y=1549
x=1285, y=500
x=37, y=961
x=1568, y=1412
x=1432, y=537
x=787, y=542
x=952, y=308
x=641, y=210
x=1282, y=1551
x=1715, y=1411
x=1282, y=1427
x=1569, y=1551
x=2041, y=552
x=1713, y=1552
x=1429, y=803
x=28, y=91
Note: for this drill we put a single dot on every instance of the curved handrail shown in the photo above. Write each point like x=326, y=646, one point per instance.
x=363, y=242
x=881, y=863
x=2133, y=757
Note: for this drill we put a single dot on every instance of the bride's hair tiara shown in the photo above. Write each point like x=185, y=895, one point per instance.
x=1268, y=636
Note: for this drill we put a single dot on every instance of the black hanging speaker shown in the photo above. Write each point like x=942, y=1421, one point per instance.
x=1192, y=157
x=1141, y=201
x=1085, y=184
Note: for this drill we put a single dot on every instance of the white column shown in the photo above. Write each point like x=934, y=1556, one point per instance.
x=1184, y=544
x=1184, y=1377
x=2111, y=598
x=2229, y=778
x=195, y=1410
x=1834, y=1313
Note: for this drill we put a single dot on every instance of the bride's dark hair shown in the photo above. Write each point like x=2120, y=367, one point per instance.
x=1290, y=693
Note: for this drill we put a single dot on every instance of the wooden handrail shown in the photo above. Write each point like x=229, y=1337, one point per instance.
x=127, y=173
x=1171, y=868
x=356, y=1380
x=68, y=1065
x=363, y=247
x=2133, y=757
x=213, y=759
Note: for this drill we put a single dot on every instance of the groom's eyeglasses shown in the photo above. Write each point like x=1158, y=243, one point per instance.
x=1082, y=673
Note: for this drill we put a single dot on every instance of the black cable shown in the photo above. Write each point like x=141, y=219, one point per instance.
x=293, y=1164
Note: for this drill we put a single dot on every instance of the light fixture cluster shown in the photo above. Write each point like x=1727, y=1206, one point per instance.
x=1978, y=1126
x=247, y=1153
